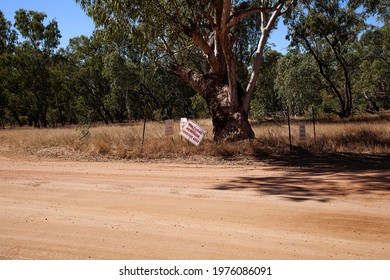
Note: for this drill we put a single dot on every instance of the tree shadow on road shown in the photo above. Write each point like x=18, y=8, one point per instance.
x=318, y=177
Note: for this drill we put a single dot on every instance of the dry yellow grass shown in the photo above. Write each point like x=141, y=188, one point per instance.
x=368, y=136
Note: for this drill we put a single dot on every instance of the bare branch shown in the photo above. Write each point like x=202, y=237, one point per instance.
x=240, y=15
x=265, y=31
x=206, y=49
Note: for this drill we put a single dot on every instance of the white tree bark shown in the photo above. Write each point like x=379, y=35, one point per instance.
x=266, y=27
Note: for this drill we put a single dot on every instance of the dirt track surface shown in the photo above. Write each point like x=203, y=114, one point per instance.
x=54, y=209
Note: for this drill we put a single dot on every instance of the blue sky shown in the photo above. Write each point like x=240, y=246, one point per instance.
x=278, y=38
x=73, y=22
x=71, y=19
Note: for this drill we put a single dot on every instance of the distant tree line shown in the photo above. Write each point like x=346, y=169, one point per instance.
x=336, y=62
x=89, y=81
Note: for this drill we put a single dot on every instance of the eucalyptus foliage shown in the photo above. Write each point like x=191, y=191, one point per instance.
x=216, y=47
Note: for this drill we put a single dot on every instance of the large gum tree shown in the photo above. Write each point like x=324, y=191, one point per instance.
x=197, y=40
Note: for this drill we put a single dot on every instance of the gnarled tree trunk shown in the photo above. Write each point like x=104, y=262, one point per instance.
x=230, y=119
x=212, y=27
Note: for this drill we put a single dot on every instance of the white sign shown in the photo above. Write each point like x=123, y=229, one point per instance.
x=168, y=127
x=193, y=132
x=183, y=122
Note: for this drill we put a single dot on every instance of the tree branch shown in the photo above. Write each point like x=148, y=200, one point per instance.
x=326, y=77
x=239, y=16
x=265, y=31
x=192, y=78
x=206, y=49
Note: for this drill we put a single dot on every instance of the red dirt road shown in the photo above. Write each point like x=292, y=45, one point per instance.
x=54, y=209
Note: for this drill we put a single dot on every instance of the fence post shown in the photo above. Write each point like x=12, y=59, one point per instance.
x=143, y=130
x=314, y=125
x=289, y=129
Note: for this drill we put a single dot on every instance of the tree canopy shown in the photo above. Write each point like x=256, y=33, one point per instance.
x=149, y=59
x=200, y=42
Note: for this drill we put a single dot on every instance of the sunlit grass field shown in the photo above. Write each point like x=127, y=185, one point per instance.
x=362, y=135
